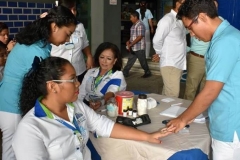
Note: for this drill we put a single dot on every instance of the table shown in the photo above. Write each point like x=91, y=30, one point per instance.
x=172, y=146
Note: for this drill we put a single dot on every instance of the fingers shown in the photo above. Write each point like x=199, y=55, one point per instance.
x=95, y=105
x=43, y=15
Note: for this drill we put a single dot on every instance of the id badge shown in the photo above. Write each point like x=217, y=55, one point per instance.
x=80, y=138
x=69, y=45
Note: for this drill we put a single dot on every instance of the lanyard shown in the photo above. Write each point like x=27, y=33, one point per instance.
x=76, y=130
x=99, y=78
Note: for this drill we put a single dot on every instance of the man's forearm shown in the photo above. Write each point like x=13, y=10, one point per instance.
x=203, y=100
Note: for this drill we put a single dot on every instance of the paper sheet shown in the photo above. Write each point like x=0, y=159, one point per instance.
x=175, y=111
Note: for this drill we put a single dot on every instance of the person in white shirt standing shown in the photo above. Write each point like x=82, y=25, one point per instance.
x=169, y=43
x=146, y=16
x=73, y=51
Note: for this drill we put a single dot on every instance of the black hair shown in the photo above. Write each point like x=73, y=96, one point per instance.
x=143, y=8
x=3, y=49
x=192, y=8
x=3, y=26
x=116, y=52
x=40, y=29
x=67, y=3
x=135, y=14
x=34, y=82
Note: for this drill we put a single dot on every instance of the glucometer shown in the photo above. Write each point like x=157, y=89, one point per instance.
x=166, y=122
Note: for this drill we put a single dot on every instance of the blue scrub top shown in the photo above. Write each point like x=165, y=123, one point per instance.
x=18, y=63
x=223, y=65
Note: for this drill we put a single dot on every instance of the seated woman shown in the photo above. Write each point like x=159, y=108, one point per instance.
x=4, y=36
x=101, y=83
x=55, y=128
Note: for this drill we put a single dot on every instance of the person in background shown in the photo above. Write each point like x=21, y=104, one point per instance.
x=3, y=57
x=196, y=76
x=136, y=46
x=103, y=82
x=77, y=47
x=221, y=93
x=33, y=45
x=169, y=43
x=4, y=36
x=146, y=16
x=55, y=124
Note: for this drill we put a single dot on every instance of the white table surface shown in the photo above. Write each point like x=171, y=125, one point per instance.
x=116, y=149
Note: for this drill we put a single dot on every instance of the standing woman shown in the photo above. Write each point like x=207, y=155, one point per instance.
x=146, y=16
x=33, y=45
x=77, y=47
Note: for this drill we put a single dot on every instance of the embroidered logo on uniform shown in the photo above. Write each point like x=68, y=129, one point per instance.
x=80, y=117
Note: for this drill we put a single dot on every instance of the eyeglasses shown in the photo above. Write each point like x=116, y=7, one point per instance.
x=193, y=21
x=74, y=80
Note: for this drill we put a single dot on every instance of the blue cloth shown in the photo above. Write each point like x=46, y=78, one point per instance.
x=198, y=46
x=148, y=15
x=19, y=61
x=223, y=65
x=192, y=154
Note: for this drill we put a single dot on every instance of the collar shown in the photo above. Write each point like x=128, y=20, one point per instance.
x=173, y=12
x=137, y=22
x=42, y=111
x=220, y=29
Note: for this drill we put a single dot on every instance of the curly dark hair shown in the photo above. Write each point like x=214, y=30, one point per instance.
x=34, y=83
x=67, y=3
x=191, y=9
x=40, y=29
x=3, y=26
x=117, y=54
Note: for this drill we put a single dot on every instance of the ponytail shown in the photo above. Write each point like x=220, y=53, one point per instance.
x=34, y=83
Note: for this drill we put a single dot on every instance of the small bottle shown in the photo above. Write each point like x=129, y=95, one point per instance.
x=142, y=104
x=134, y=113
x=124, y=113
x=130, y=111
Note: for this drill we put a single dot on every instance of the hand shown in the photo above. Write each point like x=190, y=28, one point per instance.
x=176, y=124
x=152, y=30
x=154, y=137
x=89, y=63
x=155, y=58
x=95, y=105
x=43, y=15
x=10, y=45
x=127, y=43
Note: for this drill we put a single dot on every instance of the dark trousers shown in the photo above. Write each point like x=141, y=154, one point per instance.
x=140, y=55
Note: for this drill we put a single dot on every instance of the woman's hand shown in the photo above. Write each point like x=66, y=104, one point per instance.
x=43, y=15
x=95, y=105
x=10, y=45
x=155, y=137
x=89, y=63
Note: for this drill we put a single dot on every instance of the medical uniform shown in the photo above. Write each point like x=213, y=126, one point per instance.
x=19, y=62
x=75, y=54
x=110, y=82
x=47, y=136
x=223, y=65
